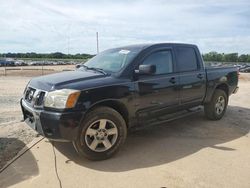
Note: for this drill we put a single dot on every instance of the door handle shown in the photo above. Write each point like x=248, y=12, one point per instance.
x=172, y=80
x=200, y=76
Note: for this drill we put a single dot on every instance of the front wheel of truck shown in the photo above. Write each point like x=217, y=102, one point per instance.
x=215, y=109
x=102, y=133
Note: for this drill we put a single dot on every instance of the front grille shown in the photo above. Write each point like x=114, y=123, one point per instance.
x=40, y=98
x=30, y=92
x=34, y=97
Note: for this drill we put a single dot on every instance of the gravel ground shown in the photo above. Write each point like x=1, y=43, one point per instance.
x=10, y=94
x=14, y=135
x=30, y=71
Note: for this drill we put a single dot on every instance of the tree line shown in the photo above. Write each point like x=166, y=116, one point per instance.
x=56, y=55
x=222, y=57
x=211, y=56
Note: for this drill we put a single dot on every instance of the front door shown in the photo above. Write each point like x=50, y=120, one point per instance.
x=158, y=92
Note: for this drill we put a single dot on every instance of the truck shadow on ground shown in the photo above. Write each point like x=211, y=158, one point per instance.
x=15, y=173
x=166, y=143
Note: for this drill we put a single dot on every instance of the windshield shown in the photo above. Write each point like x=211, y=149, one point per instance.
x=112, y=60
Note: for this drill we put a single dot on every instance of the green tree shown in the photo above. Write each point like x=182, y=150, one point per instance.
x=232, y=57
x=243, y=58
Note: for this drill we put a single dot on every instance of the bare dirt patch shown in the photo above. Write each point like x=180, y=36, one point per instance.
x=31, y=71
x=14, y=135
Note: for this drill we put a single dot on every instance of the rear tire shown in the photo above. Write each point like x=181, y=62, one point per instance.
x=102, y=133
x=216, y=108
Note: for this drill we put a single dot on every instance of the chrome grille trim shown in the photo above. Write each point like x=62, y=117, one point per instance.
x=36, y=101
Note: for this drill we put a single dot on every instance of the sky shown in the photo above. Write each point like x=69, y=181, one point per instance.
x=45, y=26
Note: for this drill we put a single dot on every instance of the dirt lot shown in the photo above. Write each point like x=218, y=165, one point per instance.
x=193, y=151
x=13, y=134
x=30, y=71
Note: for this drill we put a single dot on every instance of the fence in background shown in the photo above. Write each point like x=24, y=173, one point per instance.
x=34, y=70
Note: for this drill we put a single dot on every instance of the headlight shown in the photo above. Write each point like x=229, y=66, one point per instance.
x=64, y=98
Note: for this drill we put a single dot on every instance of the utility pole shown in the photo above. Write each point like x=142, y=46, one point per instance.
x=68, y=43
x=97, y=43
x=69, y=30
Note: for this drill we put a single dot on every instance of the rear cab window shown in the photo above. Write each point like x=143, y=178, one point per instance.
x=186, y=59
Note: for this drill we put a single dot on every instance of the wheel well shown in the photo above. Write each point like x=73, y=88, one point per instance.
x=118, y=106
x=223, y=87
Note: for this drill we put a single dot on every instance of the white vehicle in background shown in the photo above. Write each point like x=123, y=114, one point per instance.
x=20, y=63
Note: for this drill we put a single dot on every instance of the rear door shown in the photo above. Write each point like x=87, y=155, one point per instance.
x=192, y=76
x=157, y=92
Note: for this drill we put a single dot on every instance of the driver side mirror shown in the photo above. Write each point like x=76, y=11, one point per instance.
x=146, y=69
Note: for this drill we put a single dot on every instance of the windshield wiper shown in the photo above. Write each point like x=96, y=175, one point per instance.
x=95, y=69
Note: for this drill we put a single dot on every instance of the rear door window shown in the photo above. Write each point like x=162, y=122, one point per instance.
x=186, y=59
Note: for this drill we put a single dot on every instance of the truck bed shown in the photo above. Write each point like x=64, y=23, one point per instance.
x=215, y=75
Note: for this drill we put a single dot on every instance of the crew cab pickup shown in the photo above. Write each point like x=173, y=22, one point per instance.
x=122, y=88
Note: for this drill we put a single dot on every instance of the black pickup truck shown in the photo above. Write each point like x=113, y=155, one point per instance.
x=121, y=88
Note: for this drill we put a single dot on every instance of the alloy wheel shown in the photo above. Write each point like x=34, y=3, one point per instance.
x=220, y=105
x=101, y=135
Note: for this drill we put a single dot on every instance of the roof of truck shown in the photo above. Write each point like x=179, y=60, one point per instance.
x=147, y=45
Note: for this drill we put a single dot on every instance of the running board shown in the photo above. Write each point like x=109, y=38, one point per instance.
x=177, y=115
x=170, y=117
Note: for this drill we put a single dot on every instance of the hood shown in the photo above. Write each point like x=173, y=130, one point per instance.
x=58, y=80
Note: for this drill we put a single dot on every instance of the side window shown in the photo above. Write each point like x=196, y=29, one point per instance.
x=162, y=60
x=186, y=59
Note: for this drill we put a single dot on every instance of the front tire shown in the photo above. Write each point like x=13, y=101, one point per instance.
x=101, y=135
x=216, y=108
